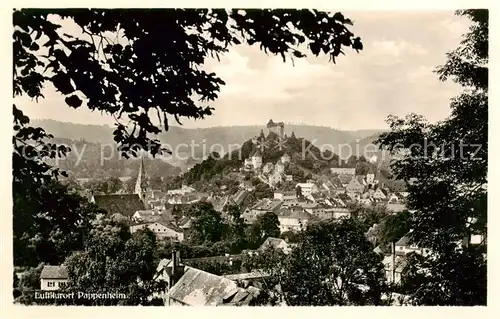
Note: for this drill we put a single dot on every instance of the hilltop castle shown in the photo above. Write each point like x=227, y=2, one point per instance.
x=278, y=128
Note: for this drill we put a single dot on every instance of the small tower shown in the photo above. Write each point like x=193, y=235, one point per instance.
x=140, y=184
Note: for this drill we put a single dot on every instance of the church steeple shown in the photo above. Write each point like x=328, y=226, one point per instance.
x=140, y=184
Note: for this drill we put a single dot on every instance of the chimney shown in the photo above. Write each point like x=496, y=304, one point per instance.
x=177, y=269
x=175, y=262
x=393, y=261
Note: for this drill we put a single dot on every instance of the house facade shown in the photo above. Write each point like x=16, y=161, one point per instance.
x=293, y=219
x=161, y=230
x=379, y=194
x=53, y=277
x=370, y=178
x=276, y=243
x=307, y=188
x=285, y=158
x=355, y=186
x=275, y=178
x=404, y=247
x=263, y=206
x=279, y=167
x=257, y=160
x=343, y=171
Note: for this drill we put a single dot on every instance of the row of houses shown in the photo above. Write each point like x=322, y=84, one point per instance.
x=364, y=190
x=293, y=212
x=187, y=285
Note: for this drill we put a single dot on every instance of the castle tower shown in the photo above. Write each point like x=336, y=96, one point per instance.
x=141, y=183
x=278, y=128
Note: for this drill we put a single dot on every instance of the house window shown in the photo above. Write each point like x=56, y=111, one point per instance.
x=51, y=284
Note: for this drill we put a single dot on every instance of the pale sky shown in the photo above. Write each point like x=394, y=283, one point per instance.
x=391, y=75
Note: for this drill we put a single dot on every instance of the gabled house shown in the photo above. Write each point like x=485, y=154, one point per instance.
x=393, y=198
x=275, y=243
x=380, y=193
x=355, y=186
x=293, y=219
x=344, y=179
x=307, y=188
x=265, y=205
x=196, y=287
x=53, y=277
x=404, y=247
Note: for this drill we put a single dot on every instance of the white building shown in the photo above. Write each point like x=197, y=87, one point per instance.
x=161, y=230
x=279, y=167
x=285, y=158
x=181, y=191
x=275, y=178
x=53, y=277
x=293, y=219
x=257, y=160
x=307, y=188
x=370, y=178
x=343, y=171
x=404, y=247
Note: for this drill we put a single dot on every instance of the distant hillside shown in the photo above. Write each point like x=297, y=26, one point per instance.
x=207, y=137
x=95, y=160
x=72, y=131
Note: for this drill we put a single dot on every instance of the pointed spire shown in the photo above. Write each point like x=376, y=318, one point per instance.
x=140, y=184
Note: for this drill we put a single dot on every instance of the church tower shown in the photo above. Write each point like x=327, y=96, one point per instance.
x=141, y=183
